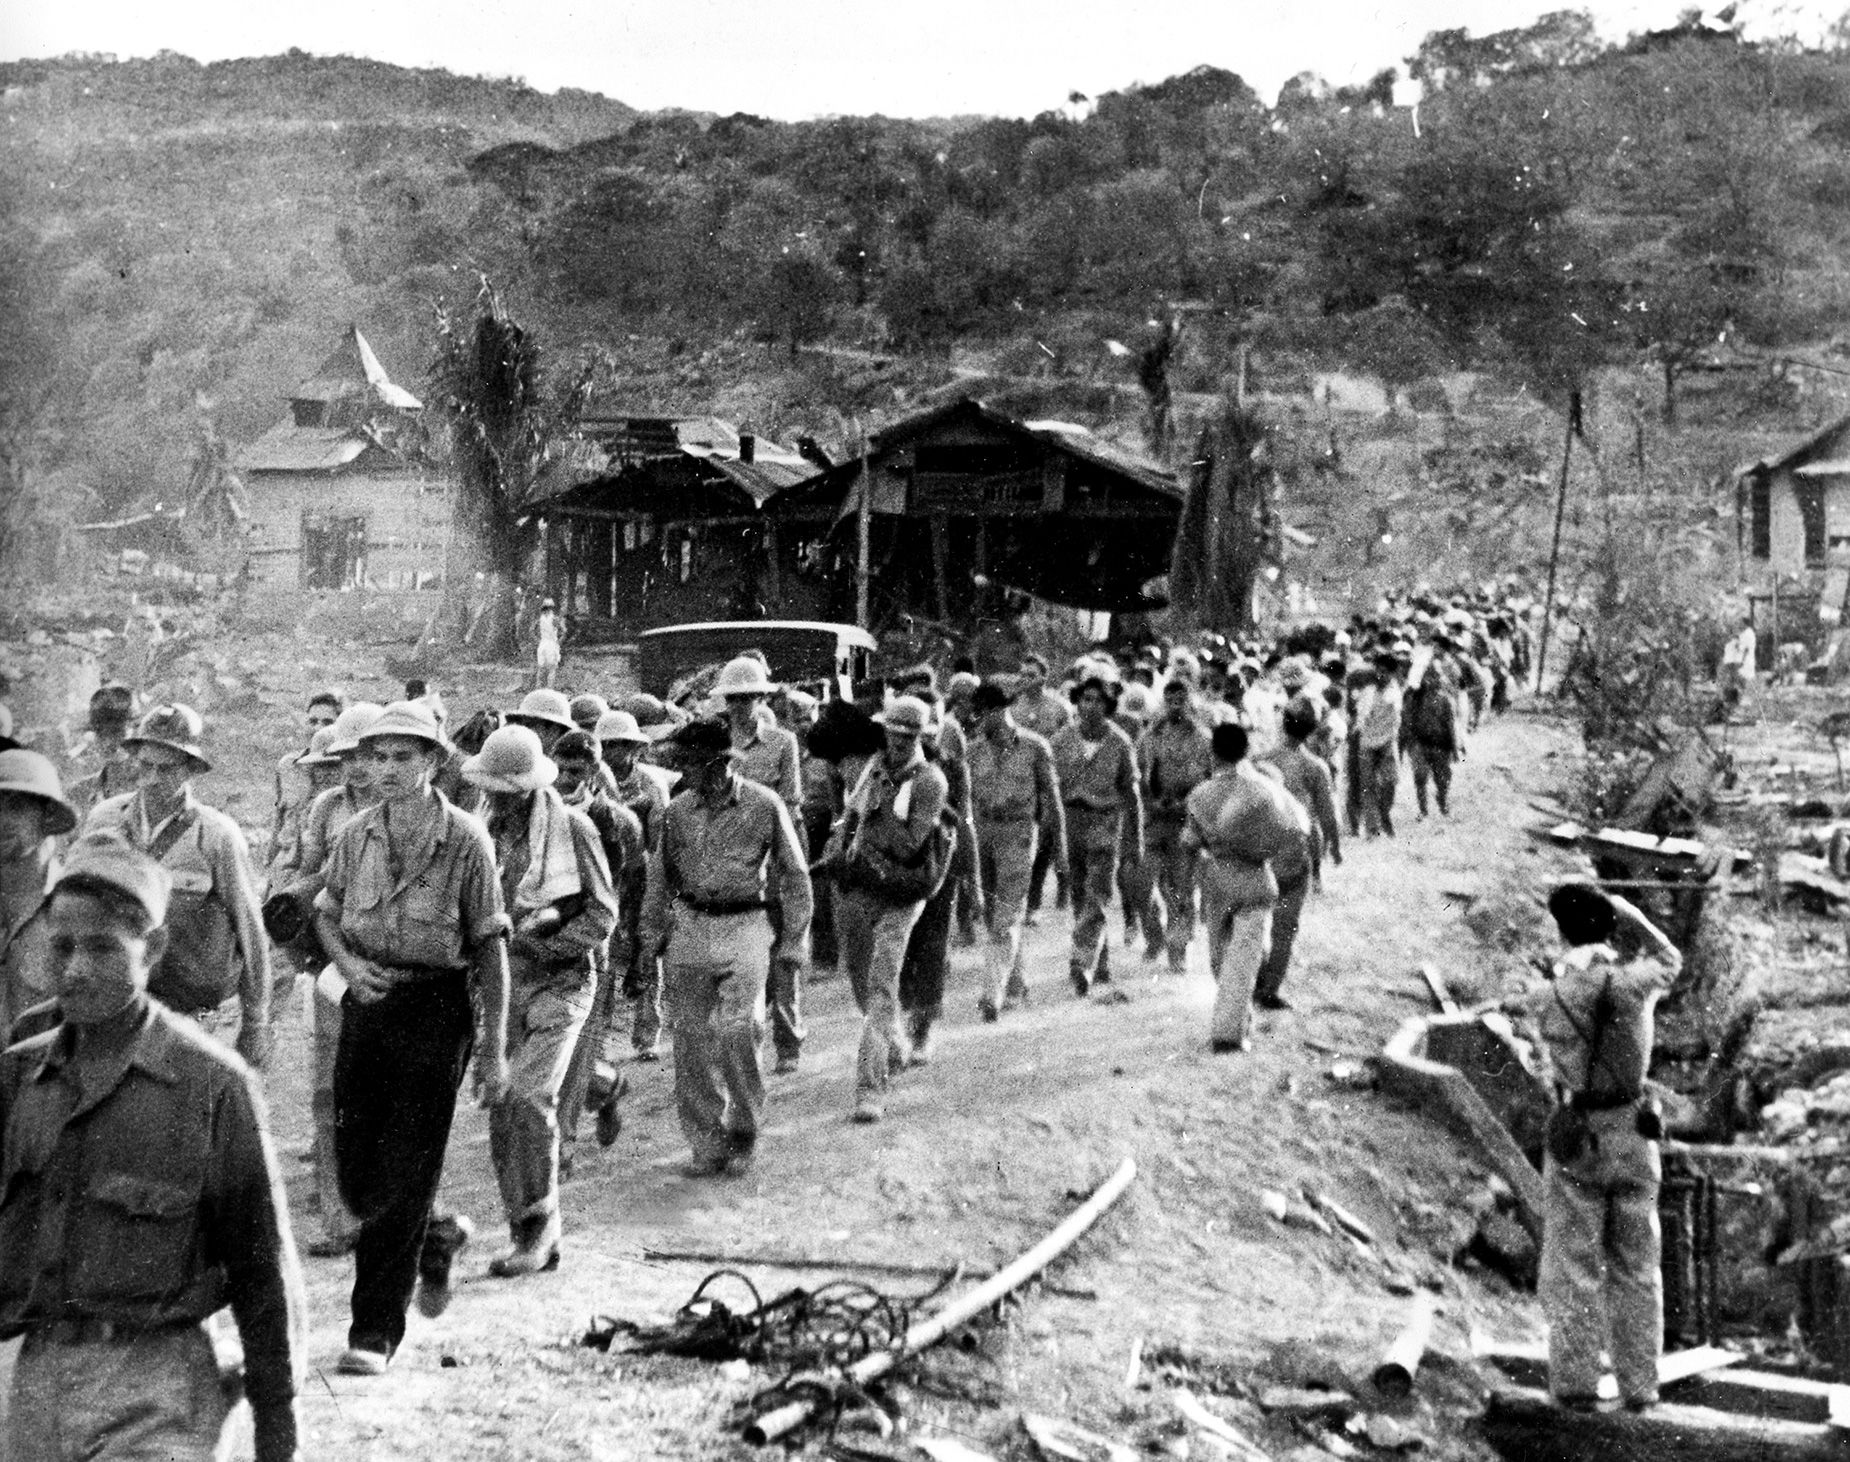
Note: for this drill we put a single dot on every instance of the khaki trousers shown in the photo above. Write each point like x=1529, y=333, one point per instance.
x=1601, y=1285
x=1005, y=852
x=1237, y=944
x=713, y=974
x=156, y=1397
x=873, y=935
x=1174, y=871
x=544, y=1018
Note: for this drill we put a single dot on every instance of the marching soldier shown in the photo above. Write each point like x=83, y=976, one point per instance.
x=727, y=843
x=1014, y=790
x=411, y=915
x=33, y=815
x=891, y=813
x=215, y=944
x=139, y=1195
x=1097, y=770
x=768, y=755
x=555, y=883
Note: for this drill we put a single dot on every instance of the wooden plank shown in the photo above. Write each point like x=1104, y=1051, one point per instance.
x=1762, y=1393
x=1525, y=1426
x=1442, y=997
x=1526, y=1361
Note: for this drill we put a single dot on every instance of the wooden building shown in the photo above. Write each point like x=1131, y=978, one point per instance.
x=340, y=496
x=966, y=502
x=662, y=520
x=1793, y=532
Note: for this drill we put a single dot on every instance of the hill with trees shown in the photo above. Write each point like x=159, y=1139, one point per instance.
x=181, y=243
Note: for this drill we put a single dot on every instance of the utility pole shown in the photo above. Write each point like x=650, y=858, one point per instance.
x=1554, y=552
x=863, y=523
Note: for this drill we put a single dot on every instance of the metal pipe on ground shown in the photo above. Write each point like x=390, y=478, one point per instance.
x=1401, y=1362
x=929, y=1331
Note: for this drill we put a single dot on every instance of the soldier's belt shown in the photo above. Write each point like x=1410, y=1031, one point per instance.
x=86, y=1330
x=721, y=907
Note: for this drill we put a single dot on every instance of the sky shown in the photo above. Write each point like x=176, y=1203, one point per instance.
x=793, y=59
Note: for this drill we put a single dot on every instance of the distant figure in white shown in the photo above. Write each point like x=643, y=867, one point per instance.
x=1738, y=666
x=548, y=631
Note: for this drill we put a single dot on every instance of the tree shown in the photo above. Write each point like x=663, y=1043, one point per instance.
x=505, y=426
x=1228, y=528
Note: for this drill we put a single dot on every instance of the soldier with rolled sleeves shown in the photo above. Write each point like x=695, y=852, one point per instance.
x=215, y=943
x=767, y=754
x=1014, y=789
x=411, y=915
x=1097, y=768
x=726, y=845
x=33, y=815
x=139, y=1196
x=555, y=884
x=1601, y=1277
x=891, y=812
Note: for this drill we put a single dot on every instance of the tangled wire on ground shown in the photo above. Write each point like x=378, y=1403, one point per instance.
x=816, y=1335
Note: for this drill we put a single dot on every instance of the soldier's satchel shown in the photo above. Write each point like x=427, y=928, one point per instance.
x=916, y=878
x=199, y=971
x=1568, y=1133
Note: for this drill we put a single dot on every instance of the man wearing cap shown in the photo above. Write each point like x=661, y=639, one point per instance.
x=101, y=762
x=1097, y=769
x=642, y=790
x=1015, y=791
x=726, y=845
x=1175, y=758
x=555, y=884
x=139, y=1195
x=33, y=814
x=768, y=755
x=410, y=912
x=891, y=813
x=215, y=942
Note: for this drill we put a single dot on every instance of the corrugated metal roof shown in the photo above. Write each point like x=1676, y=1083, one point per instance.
x=287, y=447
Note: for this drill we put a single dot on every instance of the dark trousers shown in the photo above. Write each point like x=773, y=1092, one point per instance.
x=1044, y=858
x=928, y=954
x=1286, y=915
x=396, y=1075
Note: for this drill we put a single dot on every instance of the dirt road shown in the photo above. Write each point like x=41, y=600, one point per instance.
x=980, y=1154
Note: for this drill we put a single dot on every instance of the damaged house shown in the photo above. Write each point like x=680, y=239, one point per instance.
x=662, y=520
x=965, y=502
x=341, y=496
x=1793, y=532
